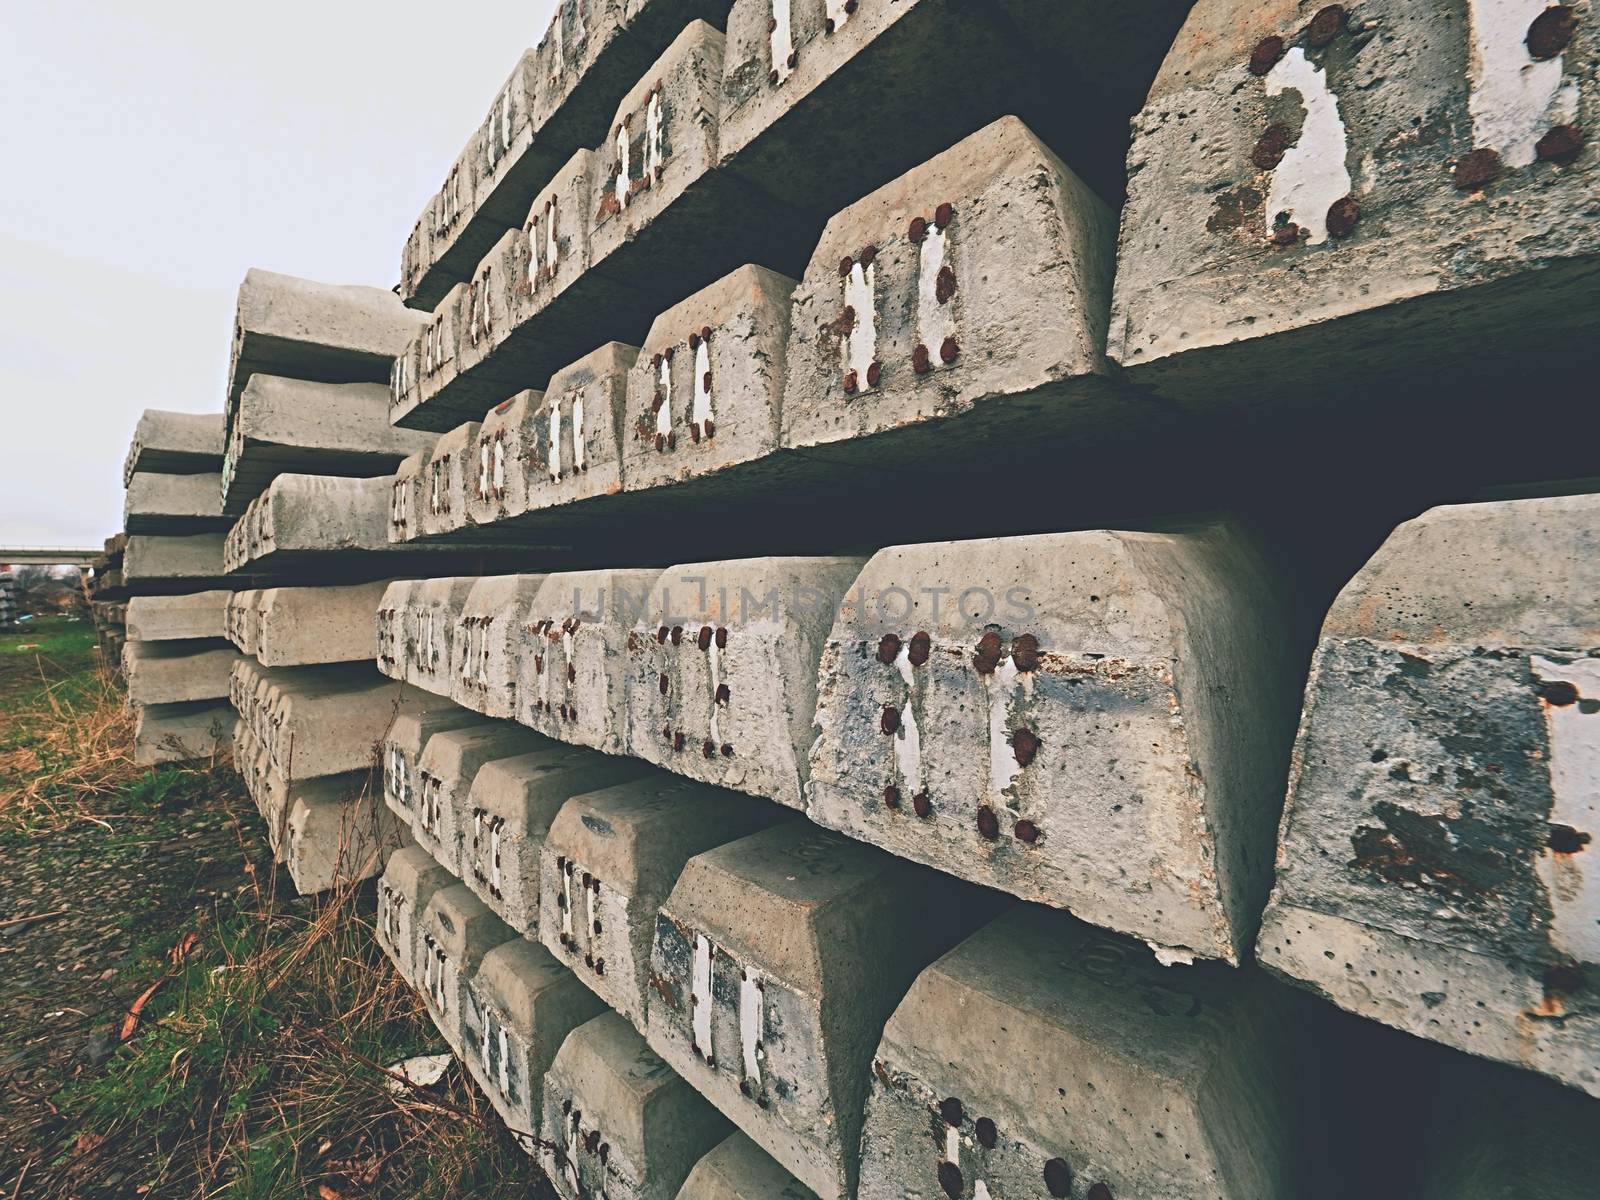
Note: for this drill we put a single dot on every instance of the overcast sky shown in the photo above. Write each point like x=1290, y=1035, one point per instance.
x=153, y=152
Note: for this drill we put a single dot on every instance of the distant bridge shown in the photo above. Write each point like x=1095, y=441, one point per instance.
x=48, y=556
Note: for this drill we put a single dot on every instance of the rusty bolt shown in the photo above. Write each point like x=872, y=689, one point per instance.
x=850, y=6
x=705, y=381
x=705, y=333
x=694, y=433
x=987, y=657
x=1025, y=652
x=918, y=230
x=722, y=637
x=723, y=694
x=1325, y=26
x=845, y=264
x=1099, y=1191
x=663, y=683
x=1342, y=216
x=727, y=750
x=572, y=673
x=943, y=214
x=869, y=255
x=598, y=929
x=922, y=805
x=661, y=443
x=704, y=639
x=1564, y=839
x=1557, y=692
x=987, y=1134
x=666, y=732
x=588, y=881
x=988, y=823
x=708, y=748
x=874, y=373
x=889, y=718
x=677, y=635
x=1270, y=146
x=1025, y=746
x=772, y=77
x=772, y=24
x=661, y=636
x=888, y=649
x=827, y=26
x=1267, y=52
x=1551, y=30
x=1026, y=831
x=678, y=740
x=1560, y=144
x=949, y=351
x=850, y=383
x=694, y=341
x=1476, y=169
x=847, y=319
x=711, y=429
x=891, y=797
x=1058, y=1177
x=951, y=1181
x=1288, y=234
x=950, y=1109
x=794, y=59
x=919, y=360
x=944, y=286
x=561, y=862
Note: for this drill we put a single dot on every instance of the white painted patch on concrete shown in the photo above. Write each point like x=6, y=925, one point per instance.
x=908, y=738
x=621, y=187
x=1003, y=765
x=780, y=42
x=701, y=408
x=555, y=440
x=1312, y=173
x=654, y=136
x=1573, y=880
x=497, y=477
x=861, y=344
x=1514, y=98
x=751, y=998
x=496, y=879
x=935, y=321
x=664, y=413
x=714, y=659
x=702, y=994
x=579, y=456
x=838, y=13
x=566, y=908
x=552, y=248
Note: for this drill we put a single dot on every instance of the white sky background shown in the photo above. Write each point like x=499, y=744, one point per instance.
x=151, y=153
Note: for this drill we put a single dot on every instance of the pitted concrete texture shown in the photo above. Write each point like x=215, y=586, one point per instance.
x=1337, y=201
x=1491, y=1132
x=1043, y=1057
x=332, y=333
x=169, y=618
x=302, y=517
x=173, y=672
x=445, y=773
x=573, y=667
x=610, y=861
x=510, y=807
x=499, y=480
x=415, y=644
x=156, y=563
x=405, y=496
x=824, y=100
x=402, y=751
x=451, y=469
x=173, y=443
x=456, y=932
x=956, y=306
x=1435, y=865
x=435, y=364
x=331, y=719
x=962, y=721
x=165, y=733
x=738, y=1169
x=315, y=428
x=707, y=390
x=174, y=503
x=410, y=878
x=617, y=1121
x=484, y=654
x=574, y=441
x=242, y=621
x=722, y=676
x=777, y=960
x=524, y=1005
x=337, y=842
x=310, y=625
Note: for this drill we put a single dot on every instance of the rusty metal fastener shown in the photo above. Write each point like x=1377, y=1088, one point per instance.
x=918, y=230
x=794, y=59
x=1026, y=831
x=987, y=657
x=891, y=797
x=919, y=360
x=772, y=77
x=1271, y=146
x=847, y=320
x=1551, y=30
x=711, y=429
x=705, y=381
x=874, y=373
x=827, y=26
x=988, y=823
x=1058, y=1178
x=722, y=637
x=1557, y=692
x=1325, y=26
x=1267, y=52
x=1100, y=1191
x=921, y=646
x=677, y=635
x=661, y=636
x=850, y=383
x=888, y=649
x=704, y=638
x=943, y=214
x=1025, y=746
x=694, y=433
x=677, y=740
x=889, y=718
x=723, y=694
x=950, y=1180
x=845, y=264
x=850, y=6
x=951, y=1111
x=1025, y=652
x=708, y=748
x=987, y=1134
x=944, y=286
x=727, y=750
x=869, y=255
x=1286, y=235
x=1476, y=169
x=922, y=805
x=694, y=340
x=661, y=443
x=705, y=333
x=1342, y=216
x=949, y=351
x=664, y=683
x=1560, y=144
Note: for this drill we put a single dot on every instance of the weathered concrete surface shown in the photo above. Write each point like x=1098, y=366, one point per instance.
x=1306, y=219
x=456, y=932
x=738, y=1169
x=241, y=619
x=524, y=1005
x=177, y=671
x=173, y=503
x=173, y=443
x=499, y=479
x=484, y=654
x=417, y=630
x=1435, y=864
x=178, y=732
x=169, y=618
x=823, y=101
x=402, y=751
x=410, y=878
x=332, y=333
x=452, y=466
x=955, y=308
x=617, y=1121
x=313, y=428
x=336, y=842
x=445, y=772
x=331, y=719
x=406, y=498
x=1043, y=1057
x=706, y=391
x=155, y=563
x=608, y=864
x=574, y=445
x=722, y=675
x=310, y=625
x=572, y=675
x=510, y=807
x=1097, y=721
x=777, y=959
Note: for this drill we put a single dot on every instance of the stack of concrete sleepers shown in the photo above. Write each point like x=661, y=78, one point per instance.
x=8, y=600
